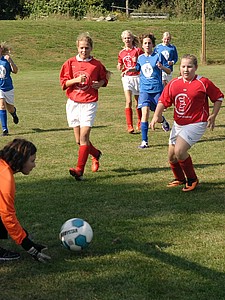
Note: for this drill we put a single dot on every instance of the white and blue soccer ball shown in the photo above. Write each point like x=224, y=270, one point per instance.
x=76, y=234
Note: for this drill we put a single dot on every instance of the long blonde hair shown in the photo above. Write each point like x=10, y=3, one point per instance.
x=135, y=41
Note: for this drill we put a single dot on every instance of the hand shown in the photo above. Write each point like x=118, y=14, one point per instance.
x=36, y=252
x=7, y=57
x=154, y=120
x=211, y=122
x=159, y=65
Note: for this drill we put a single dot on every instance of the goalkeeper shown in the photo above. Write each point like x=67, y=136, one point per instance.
x=17, y=156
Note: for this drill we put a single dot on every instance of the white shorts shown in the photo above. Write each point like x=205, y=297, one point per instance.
x=8, y=96
x=166, y=76
x=80, y=114
x=191, y=133
x=131, y=83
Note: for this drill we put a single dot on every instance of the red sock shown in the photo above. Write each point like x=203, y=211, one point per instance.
x=93, y=151
x=82, y=157
x=139, y=114
x=188, y=168
x=177, y=171
x=129, y=116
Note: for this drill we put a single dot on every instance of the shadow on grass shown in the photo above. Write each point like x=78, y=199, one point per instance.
x=132, y=172
x=118, y=213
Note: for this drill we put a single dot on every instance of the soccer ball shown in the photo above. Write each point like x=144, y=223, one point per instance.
x=76, y=234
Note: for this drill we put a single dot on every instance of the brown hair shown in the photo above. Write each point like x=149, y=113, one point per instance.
x=150, y=36
x=192, y=57
x=17, y=153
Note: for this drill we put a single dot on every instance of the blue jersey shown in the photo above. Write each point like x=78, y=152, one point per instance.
x=5, y=78
x=150, y=74
x=169, y=52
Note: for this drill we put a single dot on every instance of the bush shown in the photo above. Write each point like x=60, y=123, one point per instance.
x=9, y=9
x=40, y=8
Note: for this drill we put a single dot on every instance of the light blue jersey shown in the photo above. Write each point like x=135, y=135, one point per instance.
x=169, y=52
x=150, y=74
x=5, y=78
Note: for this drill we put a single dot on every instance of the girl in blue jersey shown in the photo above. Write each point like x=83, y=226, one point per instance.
x=150, y=64
x=7, y=66
x=169, y=51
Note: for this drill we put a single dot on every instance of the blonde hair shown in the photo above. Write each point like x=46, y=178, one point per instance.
x=5, y=48
x=135, y=41
x=167, y=33
x=84, y=37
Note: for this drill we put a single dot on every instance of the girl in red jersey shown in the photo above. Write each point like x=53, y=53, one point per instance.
x=17, y=156
x=127, y=59
x=189, y=94
x=81, y=76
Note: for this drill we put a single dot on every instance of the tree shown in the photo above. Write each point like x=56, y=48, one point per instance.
x=9, y=9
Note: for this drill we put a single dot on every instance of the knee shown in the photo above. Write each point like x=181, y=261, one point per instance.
x=2, y=106
x=178, y=153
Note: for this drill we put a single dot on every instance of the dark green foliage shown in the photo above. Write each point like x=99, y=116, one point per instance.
x=9, y=9
x=40, y=8
x=188, y=9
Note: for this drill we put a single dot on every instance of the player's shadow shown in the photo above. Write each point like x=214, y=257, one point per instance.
x=220, y=138
x=130, y=172
x=40, y=130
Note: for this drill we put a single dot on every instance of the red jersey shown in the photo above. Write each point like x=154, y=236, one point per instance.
x=94, y=71
x=190, y=99
x=128, y=59
x=7, y=207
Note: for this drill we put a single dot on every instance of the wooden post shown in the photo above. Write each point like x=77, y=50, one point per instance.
x=127, y=8
x=203, y=56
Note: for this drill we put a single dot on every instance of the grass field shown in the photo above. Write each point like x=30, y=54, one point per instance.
x=150, y=243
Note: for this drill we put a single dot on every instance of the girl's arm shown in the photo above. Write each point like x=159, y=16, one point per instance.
x=212, y=117
x=12, y=64
x=79, y=79
x=157, y=117
x=161, y=67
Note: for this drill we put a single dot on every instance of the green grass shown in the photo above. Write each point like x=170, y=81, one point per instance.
x=149, y=242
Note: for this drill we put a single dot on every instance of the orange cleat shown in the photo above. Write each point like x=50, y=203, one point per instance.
x=190, y=185
x=95, y=162
x=176, y=182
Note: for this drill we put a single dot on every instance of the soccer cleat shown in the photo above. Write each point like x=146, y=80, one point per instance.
x=176, y=182
x=95, y=162
x=143, y=145
x=15, y=117
x=190, y=185
x=8, y=255
x=130, y=129
x=78, y=175
x=5, y=132
x=165, y=125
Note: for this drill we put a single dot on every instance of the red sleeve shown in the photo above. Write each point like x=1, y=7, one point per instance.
x=212, y=91
x=7, y=208
x=103, y=73
x=65, y=73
